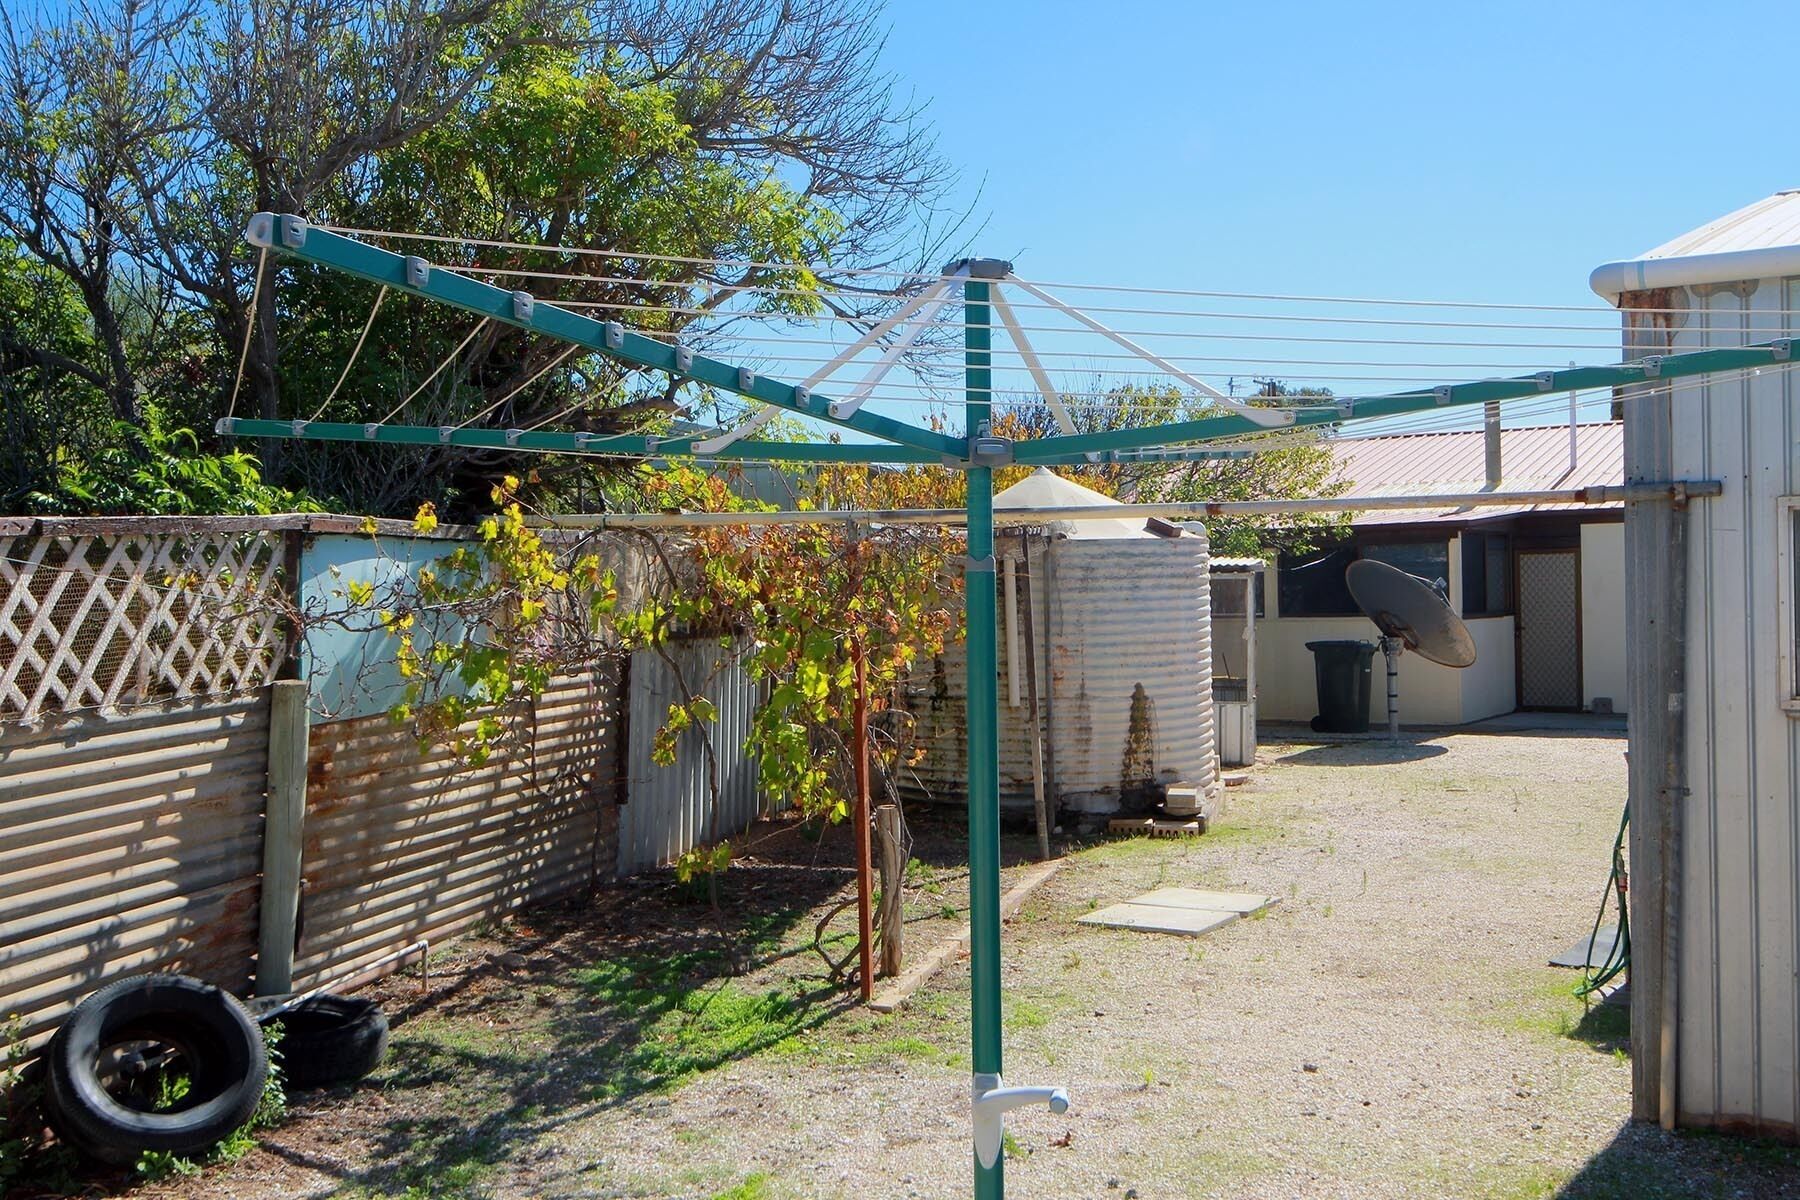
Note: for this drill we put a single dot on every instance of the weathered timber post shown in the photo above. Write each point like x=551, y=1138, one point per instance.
x=893, y=879
x=284, y=817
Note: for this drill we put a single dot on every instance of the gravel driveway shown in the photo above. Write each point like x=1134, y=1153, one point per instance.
x=1388, y=1029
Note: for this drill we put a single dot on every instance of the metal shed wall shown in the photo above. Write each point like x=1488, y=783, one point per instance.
x=670, y=808
x=402, y=844
x=129, y=843
x=1739, y=1007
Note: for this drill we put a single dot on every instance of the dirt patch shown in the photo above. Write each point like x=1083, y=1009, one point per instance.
x=1387, y=1030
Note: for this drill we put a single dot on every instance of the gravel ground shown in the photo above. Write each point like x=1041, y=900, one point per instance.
x=1387, y=1030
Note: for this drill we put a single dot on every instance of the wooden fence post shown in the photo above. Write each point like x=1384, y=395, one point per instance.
x=893, y=875
x=283, y=823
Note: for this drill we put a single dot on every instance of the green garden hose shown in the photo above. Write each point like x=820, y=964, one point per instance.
x=1597, y=975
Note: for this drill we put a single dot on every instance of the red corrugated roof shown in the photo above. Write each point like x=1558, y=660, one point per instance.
x=1532, y=458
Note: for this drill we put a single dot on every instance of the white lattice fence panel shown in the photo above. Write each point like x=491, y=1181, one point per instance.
x=108, y=620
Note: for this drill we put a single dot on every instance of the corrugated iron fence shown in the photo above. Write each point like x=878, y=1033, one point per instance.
x=132, y=836
x=671, y=808
x=129, y=843
x=402, y=844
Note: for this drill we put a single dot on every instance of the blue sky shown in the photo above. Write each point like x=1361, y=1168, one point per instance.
x=1492, y=152
x=1447, y=152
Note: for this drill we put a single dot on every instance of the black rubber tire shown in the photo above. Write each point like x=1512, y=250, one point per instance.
x=221, y=1047
x=331, y=1039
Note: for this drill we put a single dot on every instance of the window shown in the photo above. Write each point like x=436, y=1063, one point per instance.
x=1486, y=574
x=1312, y=584
x=1228, y=601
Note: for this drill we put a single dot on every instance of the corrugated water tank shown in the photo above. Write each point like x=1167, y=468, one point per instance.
x=1122, y=619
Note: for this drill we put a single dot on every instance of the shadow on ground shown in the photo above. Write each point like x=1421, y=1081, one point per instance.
x=1362, y=754
x=579, y=1008
x=1642, y=1162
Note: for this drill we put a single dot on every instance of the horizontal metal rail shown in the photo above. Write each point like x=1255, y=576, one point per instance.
x=293, y=237
x=1679, y=492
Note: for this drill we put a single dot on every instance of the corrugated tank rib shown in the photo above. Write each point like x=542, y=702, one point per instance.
x=1131, y=633
x=1118, y=614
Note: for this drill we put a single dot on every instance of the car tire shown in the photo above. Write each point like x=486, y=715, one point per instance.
x=331, y=1039
x=211, y=1034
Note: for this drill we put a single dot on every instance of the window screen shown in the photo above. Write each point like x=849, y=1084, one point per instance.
x=1228, y=600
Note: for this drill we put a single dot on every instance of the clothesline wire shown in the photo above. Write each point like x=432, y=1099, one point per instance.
x=890, y=273
x=1452, y=418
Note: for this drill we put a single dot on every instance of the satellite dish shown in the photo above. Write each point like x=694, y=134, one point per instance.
x=1409, y=608
x=1412, y=614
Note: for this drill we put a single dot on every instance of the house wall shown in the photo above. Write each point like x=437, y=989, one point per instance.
x=1738, y=1056
x=1602, y=614
x=1491, y=686
x=1429, y=694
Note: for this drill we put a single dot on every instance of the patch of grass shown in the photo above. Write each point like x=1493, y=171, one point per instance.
x=754, y=1187
x=1607, y=1028
x=711, y=1028
x=923, y=876
x=271, y=1110
x=448, y=1168
x=1542, y=1001
x=1026, y=1015
x=1489, y=1181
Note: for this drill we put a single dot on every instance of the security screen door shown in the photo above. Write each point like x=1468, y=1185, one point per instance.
x=1549, y=629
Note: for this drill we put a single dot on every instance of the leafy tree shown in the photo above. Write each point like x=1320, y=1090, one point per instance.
x=138, y=136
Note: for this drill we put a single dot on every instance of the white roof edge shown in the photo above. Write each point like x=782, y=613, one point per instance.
x=1609, y=280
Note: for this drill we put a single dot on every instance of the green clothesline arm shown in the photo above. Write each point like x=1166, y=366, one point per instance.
x=554, y=442
x=641, y=446
x=294, y=238
x=1636, y=373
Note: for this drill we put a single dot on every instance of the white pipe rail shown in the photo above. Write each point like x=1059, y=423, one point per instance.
x=1039, y=376
x=921, y=321
x=1679, y=492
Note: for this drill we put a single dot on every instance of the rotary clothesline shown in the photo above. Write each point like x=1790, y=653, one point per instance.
x=976, y=453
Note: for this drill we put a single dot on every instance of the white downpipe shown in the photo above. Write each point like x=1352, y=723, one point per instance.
x=1038, y=375
x=1010, y=584
x=1268, y=418
x=769, y=412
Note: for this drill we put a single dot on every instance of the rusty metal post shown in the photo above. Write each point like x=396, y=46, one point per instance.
x=860, y=735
